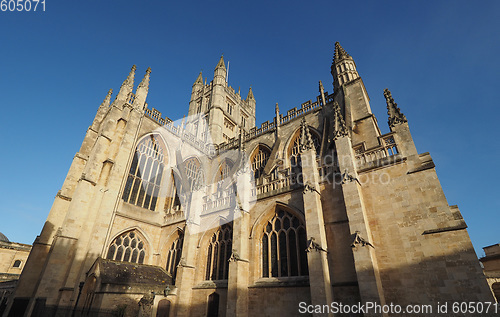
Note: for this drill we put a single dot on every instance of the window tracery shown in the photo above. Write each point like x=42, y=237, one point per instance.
x=259, y=161
x=284, y=246
x=224, y=170
x=144, y=179
x=194, y=173
x=127, y=247
x=219, y=252
x=174, y=256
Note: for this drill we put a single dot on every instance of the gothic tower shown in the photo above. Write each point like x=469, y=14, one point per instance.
x=214, y=216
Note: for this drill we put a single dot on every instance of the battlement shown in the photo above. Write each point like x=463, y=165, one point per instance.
x=213, y=149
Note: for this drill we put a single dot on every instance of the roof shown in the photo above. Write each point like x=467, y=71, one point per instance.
x=3, y=238
x=124, y=273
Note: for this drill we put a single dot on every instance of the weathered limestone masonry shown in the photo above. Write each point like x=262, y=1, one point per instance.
x=213, y=216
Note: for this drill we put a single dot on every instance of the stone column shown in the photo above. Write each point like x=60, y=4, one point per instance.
x=319, y=273
x=365, y=261
x=237, y=292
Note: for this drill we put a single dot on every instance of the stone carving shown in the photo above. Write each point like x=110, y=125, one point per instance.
x=357, y=239
x=346, y=178
x=340, y=53
x=339, y=127
x=145, y=80
x=129, y=82
x=311, y=245
x=236, y=257
x=395, y=115
x=306, y=142
x=146, y=305
x=309, y=187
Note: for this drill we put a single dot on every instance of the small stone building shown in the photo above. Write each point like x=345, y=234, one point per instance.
x=491, y=268
x=13, y=257
x=213, y=216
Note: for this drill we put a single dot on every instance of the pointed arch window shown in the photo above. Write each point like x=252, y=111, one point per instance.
x=194, y=173
x=144, y=179
x=174, y=256
x=127, y=247
x=219, y=252
x=172, y=200
x=224, y=170
x=259, y=160
x=294, y=155
x=295, y=144
x=284, y=246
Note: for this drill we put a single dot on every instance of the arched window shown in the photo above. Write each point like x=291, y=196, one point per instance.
x=194, y=173
x=172, y=200
x=163, y=309
x=294, y=145
x=128, y=247
x=219, y=252
x=284, y=246
x=224, y=170
x=174, y=256
x=144, y=179
x=17, y=263
x=294, y=155
x=259, y=160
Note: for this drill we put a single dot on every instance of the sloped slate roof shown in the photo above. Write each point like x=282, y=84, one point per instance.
x=3, y=238
x=124, y=273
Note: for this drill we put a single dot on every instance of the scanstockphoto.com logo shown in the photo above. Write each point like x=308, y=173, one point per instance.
x=177, y=166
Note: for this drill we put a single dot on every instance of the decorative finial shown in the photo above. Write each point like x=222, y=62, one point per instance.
x=395, y=114
x=107, y=99
x=199, y=79
x=145, y=80
x=129, y=82
x=321, y=88
x=340, y=53
x=250, y=94
x=306, y=142
x=339, y=127
x=277, y=109
x=220, y=64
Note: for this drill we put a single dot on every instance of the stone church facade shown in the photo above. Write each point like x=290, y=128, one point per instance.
x=213, y=216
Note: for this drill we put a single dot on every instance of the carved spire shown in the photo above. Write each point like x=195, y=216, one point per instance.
x=221, y=64
x=339, y=127
x=220, y=73
x=129, y=82
x=199, y=80
x=395, y=115
x=145, y=81
x=340, y=53
x=321, y=88
x=278, y=118
x=343, y=67
x=101, y=112
x=322, y=92
x=142, y=90
x=306, y=142
x=250, y=94
x=107, y=99
x=126, y=87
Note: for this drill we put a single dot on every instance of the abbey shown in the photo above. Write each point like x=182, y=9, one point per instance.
x=213, y=216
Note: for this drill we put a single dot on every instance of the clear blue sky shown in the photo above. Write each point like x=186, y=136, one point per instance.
x=439, y=59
